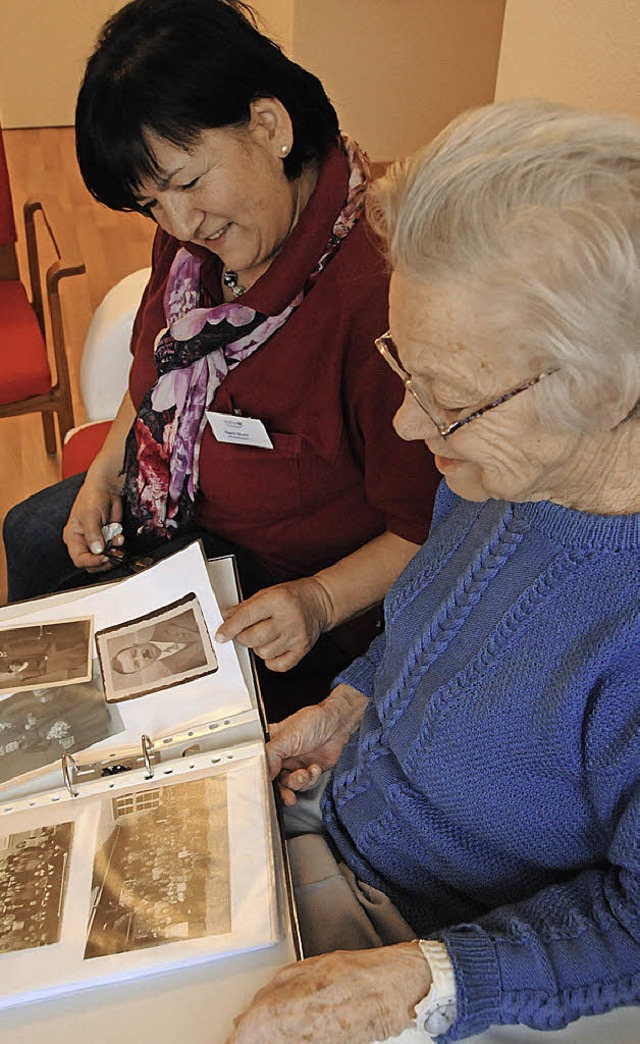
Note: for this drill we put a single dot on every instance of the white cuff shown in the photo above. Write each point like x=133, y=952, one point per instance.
x=436, y=1013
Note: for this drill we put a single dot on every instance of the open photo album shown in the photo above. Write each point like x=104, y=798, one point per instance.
x=136, y=818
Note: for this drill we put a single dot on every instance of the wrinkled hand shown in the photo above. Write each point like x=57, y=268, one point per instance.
x=280, y=623
x=303, y=746
x=95, y=506
x=344, y=997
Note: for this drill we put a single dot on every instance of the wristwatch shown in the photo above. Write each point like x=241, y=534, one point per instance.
x=436, y=1013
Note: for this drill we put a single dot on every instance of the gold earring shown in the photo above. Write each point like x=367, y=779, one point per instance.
x=284, y=149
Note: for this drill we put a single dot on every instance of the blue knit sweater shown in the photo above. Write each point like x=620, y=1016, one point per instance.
x=493, y=789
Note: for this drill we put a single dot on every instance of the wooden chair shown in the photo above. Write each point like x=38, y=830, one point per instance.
x=26, y=382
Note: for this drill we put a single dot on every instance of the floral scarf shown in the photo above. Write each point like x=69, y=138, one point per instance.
x=193, y=355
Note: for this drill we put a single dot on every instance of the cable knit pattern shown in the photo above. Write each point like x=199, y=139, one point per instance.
x=449, y=619
x=398, y=599
x=493, y=788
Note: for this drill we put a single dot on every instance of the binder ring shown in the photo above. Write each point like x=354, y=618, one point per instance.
x=69, y=773
x=148, y=751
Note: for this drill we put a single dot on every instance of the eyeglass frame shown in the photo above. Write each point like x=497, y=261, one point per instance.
x=446, y=430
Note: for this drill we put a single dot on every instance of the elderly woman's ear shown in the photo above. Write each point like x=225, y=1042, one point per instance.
x=604, y=404
x=616, y=407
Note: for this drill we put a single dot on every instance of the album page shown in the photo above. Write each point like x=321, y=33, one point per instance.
x=136, y=875
x=130, y=658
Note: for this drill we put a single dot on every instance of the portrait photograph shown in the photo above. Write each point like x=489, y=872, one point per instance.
x=33, y=880
x=42, y=655
x=38, y=726
x=161, y=871
x=167, y=647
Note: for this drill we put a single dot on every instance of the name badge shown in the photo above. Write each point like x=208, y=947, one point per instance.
x=241, y=431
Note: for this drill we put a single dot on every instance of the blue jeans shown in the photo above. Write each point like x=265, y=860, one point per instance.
x=38, y=562
x=37, y=558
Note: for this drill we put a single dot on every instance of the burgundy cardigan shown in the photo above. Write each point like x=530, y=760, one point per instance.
x=338, y=475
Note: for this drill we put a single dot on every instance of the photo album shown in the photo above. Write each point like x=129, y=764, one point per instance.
x=136, y=821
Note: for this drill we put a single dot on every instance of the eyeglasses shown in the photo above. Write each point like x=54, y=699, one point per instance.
x=388, y=350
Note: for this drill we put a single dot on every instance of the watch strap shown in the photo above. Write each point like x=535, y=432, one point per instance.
x=436, y=1013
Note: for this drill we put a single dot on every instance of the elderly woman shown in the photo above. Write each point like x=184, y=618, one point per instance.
x=485, y=799
x=257, y=416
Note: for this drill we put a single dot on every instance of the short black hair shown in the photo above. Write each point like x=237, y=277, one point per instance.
x=176, y=68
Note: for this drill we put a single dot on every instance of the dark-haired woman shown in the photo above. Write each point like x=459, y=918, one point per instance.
x=266, y=295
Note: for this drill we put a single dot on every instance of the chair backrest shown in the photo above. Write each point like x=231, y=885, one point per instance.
x=29, y=343
x=8, y=258
x=106, y=359
x=7, y=223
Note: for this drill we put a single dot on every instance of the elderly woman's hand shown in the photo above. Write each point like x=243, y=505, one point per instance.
x=303, y=746
x=353, y=997
x=280, y=623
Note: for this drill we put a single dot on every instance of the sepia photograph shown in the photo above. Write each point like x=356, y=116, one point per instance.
x=161, y=871
x=42, y=655
x=38, y=726
x=33, y=880
x=164, y=648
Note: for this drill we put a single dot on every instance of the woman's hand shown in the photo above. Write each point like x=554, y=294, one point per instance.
x=303, y=746
x=347, y=997
x=98, y=503
x=280, y=623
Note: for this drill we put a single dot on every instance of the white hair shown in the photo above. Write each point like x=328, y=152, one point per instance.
x=538, y=205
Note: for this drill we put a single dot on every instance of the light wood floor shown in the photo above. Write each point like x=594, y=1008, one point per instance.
x=112, y=245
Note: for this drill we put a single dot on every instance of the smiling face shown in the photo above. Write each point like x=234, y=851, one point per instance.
x=228, y=192
x=446, y=342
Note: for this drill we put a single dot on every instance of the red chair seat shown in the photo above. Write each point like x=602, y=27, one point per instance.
x=81, y=446
x=24, y=366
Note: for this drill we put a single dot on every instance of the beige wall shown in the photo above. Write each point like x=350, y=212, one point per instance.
x=396, y=69
x=277, y=17
x=45, y=44
x=584, y=52
x=399, y=70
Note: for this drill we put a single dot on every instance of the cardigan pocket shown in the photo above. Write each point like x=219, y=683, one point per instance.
x=249, y=481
